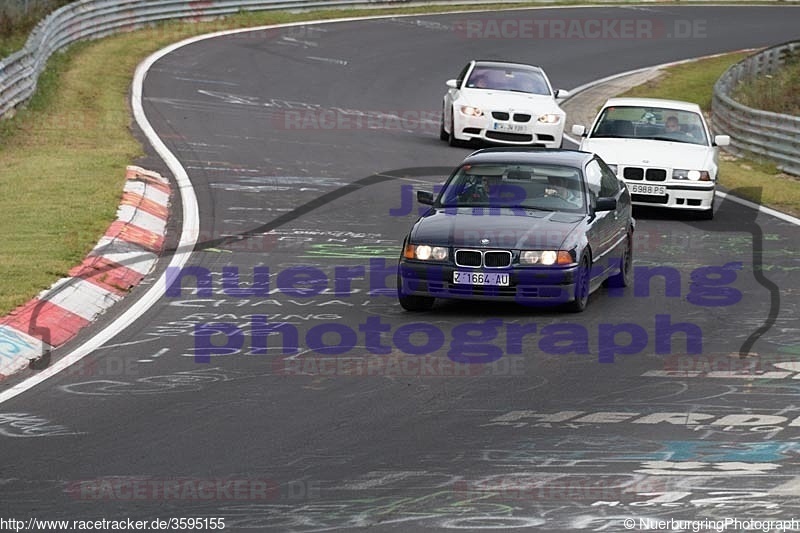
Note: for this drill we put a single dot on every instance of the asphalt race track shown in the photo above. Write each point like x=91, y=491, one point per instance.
x=302, y=145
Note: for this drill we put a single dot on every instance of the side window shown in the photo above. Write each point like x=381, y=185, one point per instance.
x=462, y=75
x=609, y=184
x=594, y=177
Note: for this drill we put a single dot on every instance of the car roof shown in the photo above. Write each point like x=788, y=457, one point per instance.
x=553, y=156
x=494, y=63
x=653, y=102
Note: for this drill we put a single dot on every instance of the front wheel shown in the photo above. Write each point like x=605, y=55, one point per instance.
x=623, y=278
x=443, y=135
x=582, y=279
x=411, y=302
x=451, y=139
x=708, y=214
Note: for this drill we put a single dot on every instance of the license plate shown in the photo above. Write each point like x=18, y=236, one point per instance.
x=481, y=278
x=641, y=188
x=513, y=128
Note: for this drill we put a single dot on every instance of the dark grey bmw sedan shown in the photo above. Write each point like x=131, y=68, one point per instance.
x=533, y=226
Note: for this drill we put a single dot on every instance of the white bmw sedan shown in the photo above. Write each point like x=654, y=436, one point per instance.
x=661, y=149
x=501, y=102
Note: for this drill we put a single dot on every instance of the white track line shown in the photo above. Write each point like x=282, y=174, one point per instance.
x=191, y=217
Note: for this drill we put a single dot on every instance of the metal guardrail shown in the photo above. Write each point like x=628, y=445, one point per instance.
x=92, y=19
x=773, y=136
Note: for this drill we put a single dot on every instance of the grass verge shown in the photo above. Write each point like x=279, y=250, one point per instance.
x=776, y=92
x=693, y=82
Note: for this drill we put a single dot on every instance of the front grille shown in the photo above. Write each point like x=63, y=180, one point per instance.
x=497, y=259
x=468, y=258
x=489, y=259
x=513, y=137
x=540, y=292
x=649, y=199
x=545, y=137
x=633, y=173
x=477, y=290
x=499, y=115
x=521, y=117
x=656, y=174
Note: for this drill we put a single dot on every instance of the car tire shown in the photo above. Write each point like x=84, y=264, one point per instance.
x=411, y=302
x=443, y=135
x=708, y=214
x=582, y=282
x=624, y=277
x=451, y=138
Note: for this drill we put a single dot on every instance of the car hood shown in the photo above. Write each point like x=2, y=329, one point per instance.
x=651, y=153
x=508, y=229
x=492, y=99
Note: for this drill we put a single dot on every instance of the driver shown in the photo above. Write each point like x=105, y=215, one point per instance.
x=672, y=125
x=563, y=188
x=477, y=190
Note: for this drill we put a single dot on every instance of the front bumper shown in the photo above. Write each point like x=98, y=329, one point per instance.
x=531, y=133
x=679, y=194
x=527, y=285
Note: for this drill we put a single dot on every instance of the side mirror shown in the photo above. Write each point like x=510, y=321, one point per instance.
x=562, y=93
x=722, y=140
x=453, y=84
x=425, y=197
x=579, y=130
x=606, y=203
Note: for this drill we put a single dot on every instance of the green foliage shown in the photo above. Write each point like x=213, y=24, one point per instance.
x=777, y=92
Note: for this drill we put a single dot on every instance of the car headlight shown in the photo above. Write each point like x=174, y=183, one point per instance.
x=545, y=257
x=691, y=175
x=423, y=252
x=471, y=111
x=550, y=118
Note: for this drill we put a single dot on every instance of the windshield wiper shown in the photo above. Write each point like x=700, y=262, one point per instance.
x=548, y=209
x=669, y=139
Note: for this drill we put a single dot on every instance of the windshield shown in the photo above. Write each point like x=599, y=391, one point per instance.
x=657, y=123
x=508, y=79
x=530, y=186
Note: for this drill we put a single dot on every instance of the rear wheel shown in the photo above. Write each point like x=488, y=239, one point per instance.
x=582, y=276
x=623, y=278
x=411, y=302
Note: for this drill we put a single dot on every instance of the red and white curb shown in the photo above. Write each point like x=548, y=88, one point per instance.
x=122, y=258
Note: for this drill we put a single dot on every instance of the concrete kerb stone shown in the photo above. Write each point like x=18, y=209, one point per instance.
x=125, y=254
